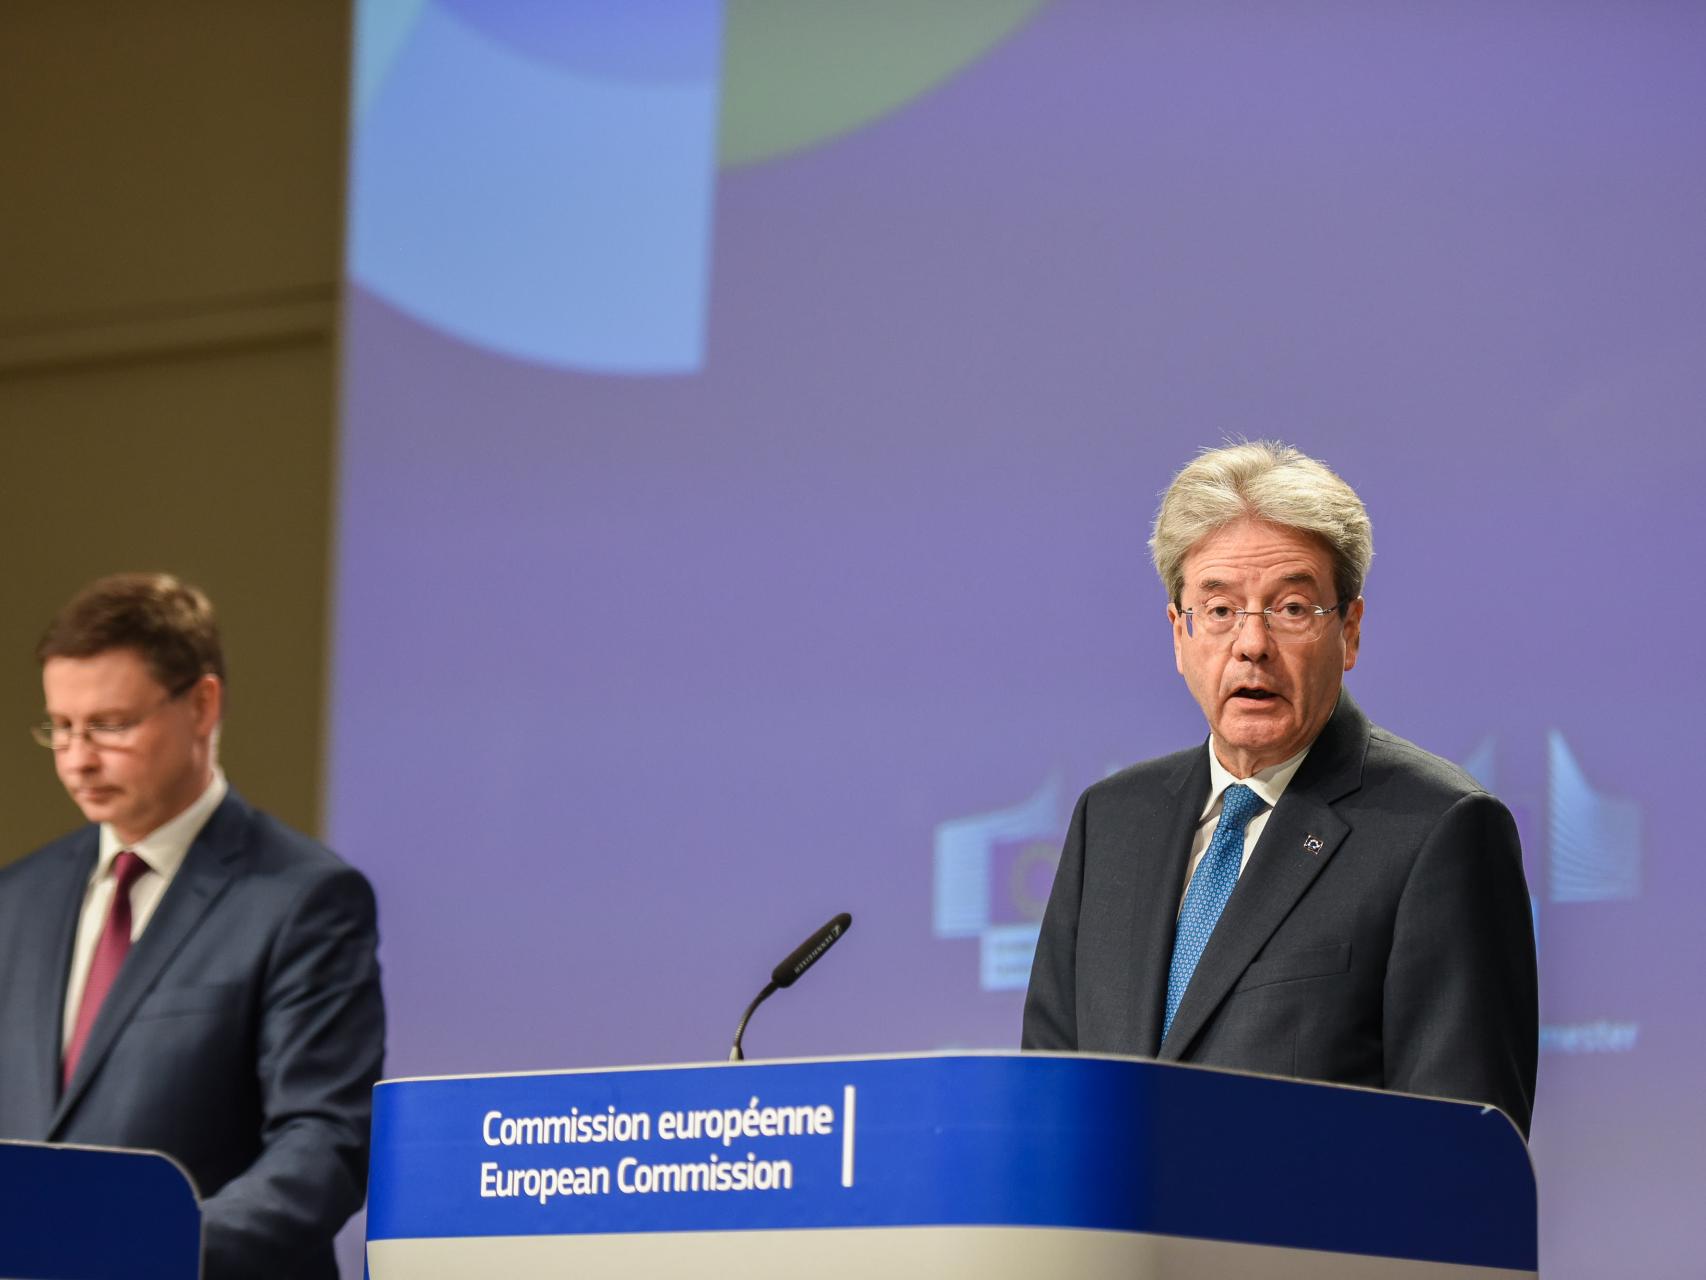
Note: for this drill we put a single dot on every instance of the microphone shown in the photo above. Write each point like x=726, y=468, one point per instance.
x=788, y=972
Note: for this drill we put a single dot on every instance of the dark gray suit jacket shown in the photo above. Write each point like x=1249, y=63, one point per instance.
x=242, y=1036
x=1398, y=954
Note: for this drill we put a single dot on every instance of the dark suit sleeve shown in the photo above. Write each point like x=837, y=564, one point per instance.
x=1461, y=1009
x=318, y=1053
x=1051, y=1002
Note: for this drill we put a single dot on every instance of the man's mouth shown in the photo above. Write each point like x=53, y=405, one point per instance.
x=1253, y=694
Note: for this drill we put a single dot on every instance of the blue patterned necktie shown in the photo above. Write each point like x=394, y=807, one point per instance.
x=1211, y=886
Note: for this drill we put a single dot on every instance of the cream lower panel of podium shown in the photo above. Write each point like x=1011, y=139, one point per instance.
x=988, y=1253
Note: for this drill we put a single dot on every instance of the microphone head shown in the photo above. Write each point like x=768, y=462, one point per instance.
x=807, y=953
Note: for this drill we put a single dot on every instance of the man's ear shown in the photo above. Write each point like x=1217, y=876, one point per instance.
x=207, y=700
x=1353, y=631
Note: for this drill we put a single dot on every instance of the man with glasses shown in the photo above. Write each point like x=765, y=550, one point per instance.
x=186, y=973
x=1305, y=894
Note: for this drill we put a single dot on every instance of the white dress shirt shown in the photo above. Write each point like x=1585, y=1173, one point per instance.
x=1269, y=784
x=163, y=851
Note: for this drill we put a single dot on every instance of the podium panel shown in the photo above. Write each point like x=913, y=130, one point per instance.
x=943, y=1164
x=96, y=1213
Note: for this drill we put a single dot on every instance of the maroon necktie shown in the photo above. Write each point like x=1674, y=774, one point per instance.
x=110, y=951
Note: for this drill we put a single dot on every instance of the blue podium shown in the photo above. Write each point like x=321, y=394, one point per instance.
x=966, y=1164
x=94, y=1213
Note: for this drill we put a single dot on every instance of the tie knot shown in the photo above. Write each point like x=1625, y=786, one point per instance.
x=128, y=868
x=1239, y=804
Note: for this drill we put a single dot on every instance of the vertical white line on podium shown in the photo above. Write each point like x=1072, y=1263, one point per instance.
x=847, y=1135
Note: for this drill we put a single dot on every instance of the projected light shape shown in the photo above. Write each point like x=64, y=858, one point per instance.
x=968, y=901
x=797, y=75
x=554, y=211
x=1595, y=840
x=536, y=177
x=1481, y=764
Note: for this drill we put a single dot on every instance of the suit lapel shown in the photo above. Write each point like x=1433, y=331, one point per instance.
x=1284, y=863
x=56, y=936
x=1158, y=902
x=206, y=873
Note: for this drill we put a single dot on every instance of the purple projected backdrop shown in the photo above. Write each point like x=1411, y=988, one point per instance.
x=741, y=528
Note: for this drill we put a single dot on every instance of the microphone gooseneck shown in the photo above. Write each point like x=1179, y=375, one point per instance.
x=788, y=972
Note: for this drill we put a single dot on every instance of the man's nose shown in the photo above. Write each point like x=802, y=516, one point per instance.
x=79, y=753
x=1253, y=640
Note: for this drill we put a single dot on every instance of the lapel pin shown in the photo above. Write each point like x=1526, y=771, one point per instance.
x=1313, y=843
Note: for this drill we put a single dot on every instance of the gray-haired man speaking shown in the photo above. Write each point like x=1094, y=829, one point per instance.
x=1305, y=894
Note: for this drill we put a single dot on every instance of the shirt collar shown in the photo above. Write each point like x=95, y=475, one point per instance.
x=165, y=848
x=1269, y=784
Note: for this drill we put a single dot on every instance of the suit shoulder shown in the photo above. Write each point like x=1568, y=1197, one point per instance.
x=294, y=881
x=1397, y=761
x=48, y=857
x=1141, y=779
x=276, y=849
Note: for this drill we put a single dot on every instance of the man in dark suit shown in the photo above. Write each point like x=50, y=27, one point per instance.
x=1305, y=894
x=186, y=974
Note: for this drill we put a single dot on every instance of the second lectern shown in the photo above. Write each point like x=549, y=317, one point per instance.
x=986, y=1165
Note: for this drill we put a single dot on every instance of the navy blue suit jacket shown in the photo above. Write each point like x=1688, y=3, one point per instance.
x=1381, y=934
x=242, y=1036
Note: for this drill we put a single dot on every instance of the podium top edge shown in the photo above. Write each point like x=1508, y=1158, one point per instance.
x=143, y=1155
x=938, y=1055
x=751, y=1062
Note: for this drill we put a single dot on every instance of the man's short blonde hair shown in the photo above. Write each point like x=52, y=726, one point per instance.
x=1268, y=481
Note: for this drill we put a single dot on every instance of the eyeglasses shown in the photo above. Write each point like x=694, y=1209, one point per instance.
x=108, y=735
x=1293, y=622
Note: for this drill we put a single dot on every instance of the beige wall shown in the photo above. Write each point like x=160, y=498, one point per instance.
x=169, y=237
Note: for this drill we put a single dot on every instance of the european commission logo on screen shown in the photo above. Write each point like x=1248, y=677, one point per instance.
x=993, y=872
